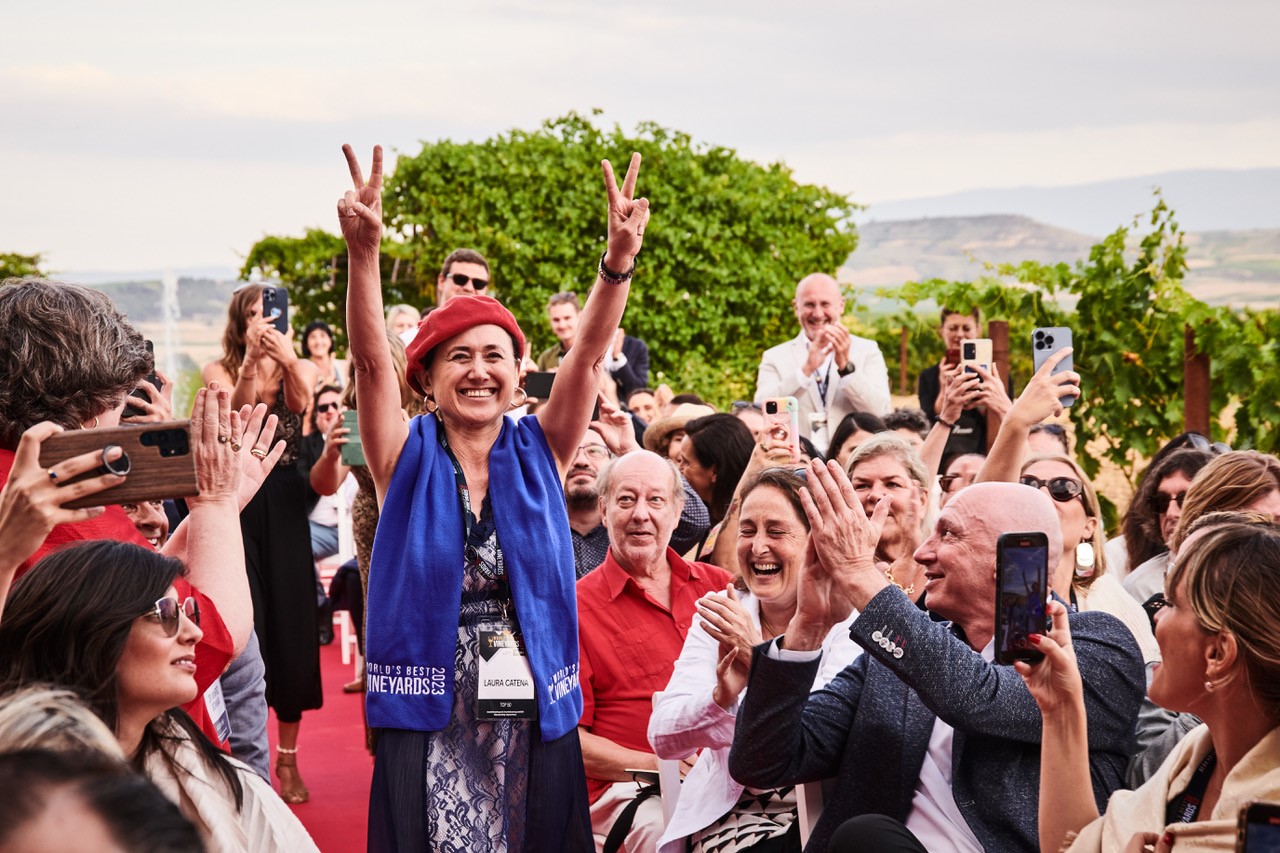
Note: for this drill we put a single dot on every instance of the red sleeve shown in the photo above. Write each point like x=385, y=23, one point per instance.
x=584, y=681
x=214, y=652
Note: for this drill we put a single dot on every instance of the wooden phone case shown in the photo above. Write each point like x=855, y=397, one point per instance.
x=152, y=476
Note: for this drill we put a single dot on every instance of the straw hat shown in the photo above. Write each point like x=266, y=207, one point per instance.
x=659, y=432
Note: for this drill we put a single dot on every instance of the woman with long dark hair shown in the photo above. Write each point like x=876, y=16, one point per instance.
x=259, y=362
x=103, y=619
x=714, y=456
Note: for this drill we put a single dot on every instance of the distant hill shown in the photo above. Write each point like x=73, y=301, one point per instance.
x=1224, y=267
x=1204, y=199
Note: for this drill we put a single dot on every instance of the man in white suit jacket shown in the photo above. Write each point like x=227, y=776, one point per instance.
x=828, y=370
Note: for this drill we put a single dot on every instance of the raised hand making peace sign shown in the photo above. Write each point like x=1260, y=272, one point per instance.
x=628, y=216
x=360, y=209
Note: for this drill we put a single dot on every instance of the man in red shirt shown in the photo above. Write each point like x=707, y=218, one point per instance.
x=634, y=611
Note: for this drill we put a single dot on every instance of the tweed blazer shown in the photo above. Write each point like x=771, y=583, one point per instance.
x=870, y=726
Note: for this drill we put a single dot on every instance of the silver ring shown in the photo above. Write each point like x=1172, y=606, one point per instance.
x=120, y=466
x=223, y=439
x=235, y=446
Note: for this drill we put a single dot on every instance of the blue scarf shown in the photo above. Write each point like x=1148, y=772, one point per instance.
x=415, y=579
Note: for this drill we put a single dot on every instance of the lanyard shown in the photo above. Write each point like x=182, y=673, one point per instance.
x=1186, y=806
x=477, y=530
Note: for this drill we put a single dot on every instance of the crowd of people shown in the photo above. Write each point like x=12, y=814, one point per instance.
x=612, y=617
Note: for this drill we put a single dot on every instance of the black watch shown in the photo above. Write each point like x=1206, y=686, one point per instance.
x=847, y=369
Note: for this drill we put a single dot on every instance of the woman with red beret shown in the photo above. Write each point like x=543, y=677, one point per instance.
x=472, y=642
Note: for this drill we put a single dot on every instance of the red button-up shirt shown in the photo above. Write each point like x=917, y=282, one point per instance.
x=629, y=644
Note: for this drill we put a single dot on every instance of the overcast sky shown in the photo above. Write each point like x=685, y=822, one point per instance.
x=140, y=135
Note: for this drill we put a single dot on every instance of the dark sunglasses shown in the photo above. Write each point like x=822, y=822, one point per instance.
x=1160, y=501
x=327, y=407
x=1061, y=489
x=461, y=281
x=948, y=481
x=166, y=611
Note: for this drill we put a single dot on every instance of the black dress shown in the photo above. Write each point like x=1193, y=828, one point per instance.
x=277, y=552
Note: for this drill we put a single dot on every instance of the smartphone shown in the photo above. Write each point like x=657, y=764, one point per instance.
x=1045, y=342
x=976, y=351
x=953, y=356
x=1022, y=582
x=275, y=307
x=644, y=777
x=538, y=385
x=353, y=450
x=1259, y=828
x=782, y=420
x=157, y=458
x=132, y=411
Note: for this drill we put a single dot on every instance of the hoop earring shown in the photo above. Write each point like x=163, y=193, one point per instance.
x=524, y=396
x=95, y=423
x=1209, y=687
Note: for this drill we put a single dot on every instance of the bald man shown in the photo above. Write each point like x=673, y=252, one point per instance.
x=934, y=746
x=828, y=370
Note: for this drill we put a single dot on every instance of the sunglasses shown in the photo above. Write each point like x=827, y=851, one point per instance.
x=1160, y=501
x=947, y=482
x=166, y=611
x=1061, y=489
x=327, y=407
x=1199, y=442
x=461, y=281
x=739, y=405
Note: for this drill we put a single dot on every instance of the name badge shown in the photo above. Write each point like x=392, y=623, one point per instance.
x=506, y=682
x=217, y=708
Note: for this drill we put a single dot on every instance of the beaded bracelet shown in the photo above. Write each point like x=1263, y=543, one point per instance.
x=616, y=277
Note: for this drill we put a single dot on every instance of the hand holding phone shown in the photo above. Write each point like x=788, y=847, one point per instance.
x=275, y=307
x=781, y=423
x=1022, y=588
x=156, y=460
x=976, y=351
x=1047, y=341
x=353, y=450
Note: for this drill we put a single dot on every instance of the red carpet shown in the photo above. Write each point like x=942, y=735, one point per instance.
x=333, y=762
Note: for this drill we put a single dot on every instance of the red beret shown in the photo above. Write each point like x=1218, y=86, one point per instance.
x=453, y=318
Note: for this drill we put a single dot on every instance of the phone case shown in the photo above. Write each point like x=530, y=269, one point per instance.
x=353, y=450
x=160, y=461
x=1022, y=579
x=1047, y=340
x=782, y=424
x=275, y=307
x=983, y=354
x=1258, y=827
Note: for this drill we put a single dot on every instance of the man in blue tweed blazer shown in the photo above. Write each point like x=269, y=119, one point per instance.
x=924, y=729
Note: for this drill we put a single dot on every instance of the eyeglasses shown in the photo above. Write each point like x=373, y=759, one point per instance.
x=1160, y=501
x=166, y=612
x=327, y=407
x=1057, y=430
x=1061, y=489
x=595, y=451
x=461, y=281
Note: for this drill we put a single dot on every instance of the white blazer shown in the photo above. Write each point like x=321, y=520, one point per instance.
x=866, y=389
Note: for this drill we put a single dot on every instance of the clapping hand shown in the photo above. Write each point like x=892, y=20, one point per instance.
x=360, y=209
x=628, y=216
x=960, y=390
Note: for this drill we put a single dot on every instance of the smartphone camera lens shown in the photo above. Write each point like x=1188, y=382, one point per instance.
x=970, y=351
x=771, y=408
